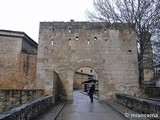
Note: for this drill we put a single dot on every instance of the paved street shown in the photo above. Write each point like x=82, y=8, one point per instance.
x=82, y=109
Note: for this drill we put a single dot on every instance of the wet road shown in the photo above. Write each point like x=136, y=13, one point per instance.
x=82, y=109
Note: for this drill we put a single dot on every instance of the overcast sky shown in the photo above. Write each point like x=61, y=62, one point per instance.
x=25, y=15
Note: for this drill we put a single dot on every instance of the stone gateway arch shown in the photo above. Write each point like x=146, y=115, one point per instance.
x=109, y=49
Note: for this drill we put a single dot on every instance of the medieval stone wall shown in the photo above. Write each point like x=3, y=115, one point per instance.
x=10, y=98
x=17, y=69
x=29, y=111
x=18, y=74
x=109, y=49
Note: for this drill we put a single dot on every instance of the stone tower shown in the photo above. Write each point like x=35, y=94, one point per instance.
x=109, y=49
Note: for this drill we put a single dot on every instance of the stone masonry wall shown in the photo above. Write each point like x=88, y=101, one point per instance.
x=10, y=98
x=29, y=111
x=18, y=71
x=27, y=70
x=109, y=49
x=78, y=79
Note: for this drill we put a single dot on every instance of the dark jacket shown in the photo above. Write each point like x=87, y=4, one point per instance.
x=92, y=89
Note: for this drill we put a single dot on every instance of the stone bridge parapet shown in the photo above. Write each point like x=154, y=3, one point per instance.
x=28, y=111
x=10, y=98
x=139, y=105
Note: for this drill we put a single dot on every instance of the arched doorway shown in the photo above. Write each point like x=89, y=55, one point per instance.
x=81, y=75
x=81, y=78
x=63, y=76
x=69, y=74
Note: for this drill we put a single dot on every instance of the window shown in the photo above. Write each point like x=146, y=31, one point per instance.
x=105, y=42
x=129, y=50
x=69, y=41
x=76, y=37
x=105, y=30
x=81, y=70
x=52, y=42
x=88, y=42
x=91, y=71
x=95, y=38
x=69, y=30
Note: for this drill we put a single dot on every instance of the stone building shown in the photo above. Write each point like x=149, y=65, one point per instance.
x=108, y=49
x=83, y=74
x=18, y=60
x=79, y=78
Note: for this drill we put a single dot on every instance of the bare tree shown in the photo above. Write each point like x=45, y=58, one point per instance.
x=156, y=49
x=142, y=15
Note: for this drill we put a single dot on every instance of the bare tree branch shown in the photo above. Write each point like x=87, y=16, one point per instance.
x=145, y=14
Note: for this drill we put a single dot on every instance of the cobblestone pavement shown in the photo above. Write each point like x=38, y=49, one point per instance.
x=82, y=109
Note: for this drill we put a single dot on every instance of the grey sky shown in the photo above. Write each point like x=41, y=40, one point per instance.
x=25, y=15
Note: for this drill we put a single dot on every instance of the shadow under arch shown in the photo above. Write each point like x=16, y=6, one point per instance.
x=58, y=89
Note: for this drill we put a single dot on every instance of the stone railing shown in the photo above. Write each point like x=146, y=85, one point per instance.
x=10, y=98
x=140, y=105
x=28, y=111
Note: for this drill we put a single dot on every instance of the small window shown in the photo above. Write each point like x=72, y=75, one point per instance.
x=69, y=41
x=77, y=38
x=129, y=50
x=105, y=30
x=81, y=70
x=52, y=42
x=106, y=42
x=69, y=30
x=88, y=42
x=91, y=71
x=95, y=38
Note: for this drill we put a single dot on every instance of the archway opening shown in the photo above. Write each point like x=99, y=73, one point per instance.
x=81, y=78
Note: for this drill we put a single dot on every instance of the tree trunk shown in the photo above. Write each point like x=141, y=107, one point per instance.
x=141, y=67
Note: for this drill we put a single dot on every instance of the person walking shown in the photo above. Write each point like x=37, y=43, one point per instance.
x=91, y=91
